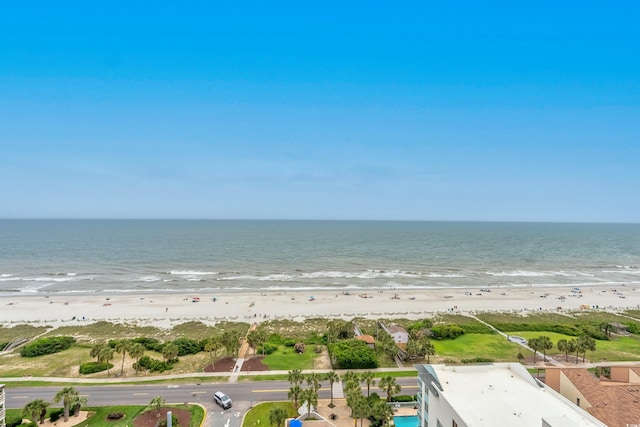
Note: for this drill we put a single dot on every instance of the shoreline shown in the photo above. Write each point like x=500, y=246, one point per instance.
x=167, y=309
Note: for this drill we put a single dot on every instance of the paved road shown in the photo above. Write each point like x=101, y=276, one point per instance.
x=244, y=395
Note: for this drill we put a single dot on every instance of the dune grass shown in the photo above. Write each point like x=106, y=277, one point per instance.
x=20, y=331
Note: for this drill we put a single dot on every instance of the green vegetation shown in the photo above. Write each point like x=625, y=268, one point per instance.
x=93, y=367
x=287, y=358
x=99, y=416
x=49, y=345
x=443, y=332
x=468, y=324
x=259, y=414
x=469, y=346
x=613, y=350
x=21, y=331
x=353, y=354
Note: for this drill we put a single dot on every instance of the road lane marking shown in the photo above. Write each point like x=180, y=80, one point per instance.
x=199, y=392
x=140, y=394
x=277, y=390
x=19, y=397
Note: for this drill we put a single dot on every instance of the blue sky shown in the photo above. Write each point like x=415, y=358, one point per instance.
x=518, y=111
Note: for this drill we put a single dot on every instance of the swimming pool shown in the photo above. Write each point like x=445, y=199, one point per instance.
x=406, y=421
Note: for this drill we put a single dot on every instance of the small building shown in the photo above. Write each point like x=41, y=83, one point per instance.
x=494, y=394
x=615, y=400
x=368, y=339
x=398, y=333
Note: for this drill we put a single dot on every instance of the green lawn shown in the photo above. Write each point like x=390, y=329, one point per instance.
x=468, y=346
x=616, y=349
x=286, y=358
x=259, y=414
x=98, y=419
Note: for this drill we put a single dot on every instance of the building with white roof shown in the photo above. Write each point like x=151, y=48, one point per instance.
x=496, y=394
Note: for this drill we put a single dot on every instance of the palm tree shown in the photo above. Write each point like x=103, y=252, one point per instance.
x=369, y=379
x=231, y=341
x=295, y=377
x=586, y=343
x=136, y=350
x=277, y=416
x=428, y=348
x=360, y=409
x=157, y=403
x=122, y=346
x=35, y=409
x=332, y=377
x=383, y=412
x=256, y=338
x=545, y=344
x=294, y=394
x=349, y=377
x=572, y=345
x=170, y=352
x=105, y=355
x=77, y=404
x=313, y=380
x=390, y=386
x=95, y=351
x=534, y=344
x=67, y=396
x=563, y=346
x=212, y=345
x=310, y=395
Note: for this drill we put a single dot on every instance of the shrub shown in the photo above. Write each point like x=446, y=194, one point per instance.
x=48, y=345
x=55, y=414
x=403, y=398
x=353, y=354
x=267, y=348
x=153, y=365
x=290, y=343
x=93, y=367
x=13, y=420
x=478, y=360
x=187, y=346
x=152, y=344
x=115, y=415
x=442, y=332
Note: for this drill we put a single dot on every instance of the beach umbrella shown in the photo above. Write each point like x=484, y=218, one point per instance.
x=295, y=423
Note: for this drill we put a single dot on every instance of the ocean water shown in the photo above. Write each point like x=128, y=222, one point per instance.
x=57, y=256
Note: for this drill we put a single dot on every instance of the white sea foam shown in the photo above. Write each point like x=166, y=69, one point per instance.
x=50, y=279
x=192, y=273
x=524, y=273
x=146, y=279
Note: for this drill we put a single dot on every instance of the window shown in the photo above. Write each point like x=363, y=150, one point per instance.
x=454, y=423
x=578, y=401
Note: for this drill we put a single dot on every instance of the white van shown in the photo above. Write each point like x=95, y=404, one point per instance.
x=222, y=399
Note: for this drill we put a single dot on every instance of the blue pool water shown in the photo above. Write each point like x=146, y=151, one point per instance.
x=406, y=421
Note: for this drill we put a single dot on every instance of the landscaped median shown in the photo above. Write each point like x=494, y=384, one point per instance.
x=190, y=415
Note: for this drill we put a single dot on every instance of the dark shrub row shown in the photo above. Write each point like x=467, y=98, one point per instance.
x=48, y=345
x=153, y=365
x=93, y=367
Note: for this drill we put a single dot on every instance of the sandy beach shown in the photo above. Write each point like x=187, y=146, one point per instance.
x=168, y=309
